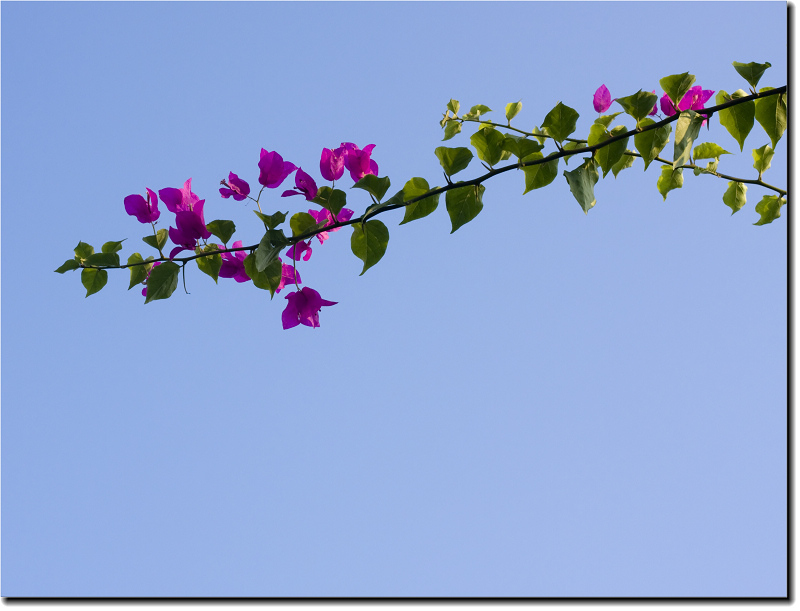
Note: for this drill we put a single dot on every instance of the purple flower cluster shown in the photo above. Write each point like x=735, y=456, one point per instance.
x=694, y=99
x=303, y=305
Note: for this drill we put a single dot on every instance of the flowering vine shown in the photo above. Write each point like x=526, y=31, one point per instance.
x=682, y=103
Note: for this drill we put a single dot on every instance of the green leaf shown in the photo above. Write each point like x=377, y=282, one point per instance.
x=670, y=179
x=605, y=120
x=769, y=208
x=479, y=109
x=489, y=144
x=394, y=200
x=512, y=110
x=464, y=204
x=111, y=247
x=711, y=167
x=624, y=163
x=369, y=242
x=453, y=105
x=676, y=86
x=69, y=264
x=271, y=221
x=266, y=253
x=413, y=189
x=277, y=237
x=609, y=155
x=520, y=146
x=597, y=133
x=451, y=129
x=639, y=104
x=771, y=115
x=138, y=272
x=374, y=185
x=739, y=119
x=303, y=222
x=211, y=264
x=581, y=182
x=93, y=280
x=453, y=160
x=535, y=131
x=763, y=158
x=110, y=259
x=709, y=150
x=336, y=202
x=751, y=72
x=652, y=142
x=83, y=250
x=571, y=146
x=687, y=128
x=157, y=241
x=540, y=175
x=735, y=196
x=222, y=229
x=560, y=122
x=269, y=279
x=330, y=199
x=163, y=281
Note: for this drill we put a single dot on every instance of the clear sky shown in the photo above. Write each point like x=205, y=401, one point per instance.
x=544, y=403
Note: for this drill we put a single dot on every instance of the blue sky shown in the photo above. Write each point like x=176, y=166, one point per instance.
x=544, y=403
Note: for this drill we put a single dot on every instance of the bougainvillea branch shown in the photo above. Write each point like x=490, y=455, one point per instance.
x=682, y=102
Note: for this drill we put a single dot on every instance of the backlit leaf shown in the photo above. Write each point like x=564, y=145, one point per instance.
x=512, y=110
x=93, y=280
x=560, y=122
x=676, y=86
x=539, y=175
x=453, y=160
x=771, y=115
x=369, y=242
x=489, y=145
x=735, y=196
x=650, y=143
x=581, y=183
x=163, y=281
x=138, y=272
x=464, y=204
x=751, y=72
x=222, y=229
x=763, y=158
x=670, y=179
x=413, y=189
x=769, y=208
x=687, y=128
x=738, y=119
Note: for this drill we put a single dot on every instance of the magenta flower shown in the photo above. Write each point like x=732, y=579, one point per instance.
x=235, y=187
x=655, y=108
x=303, y=308
x=233, y=263
x=145, y=211
x=191, y=226
x=358, y=161
x=177, y=200
x=667, y=107
x=345, y=214
x=274, y=169
x=288, y=276
x=298, y=249
x=602, y=99
x=144, y=290
x=304, y=185
x=695, y=98
x=331, y=165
